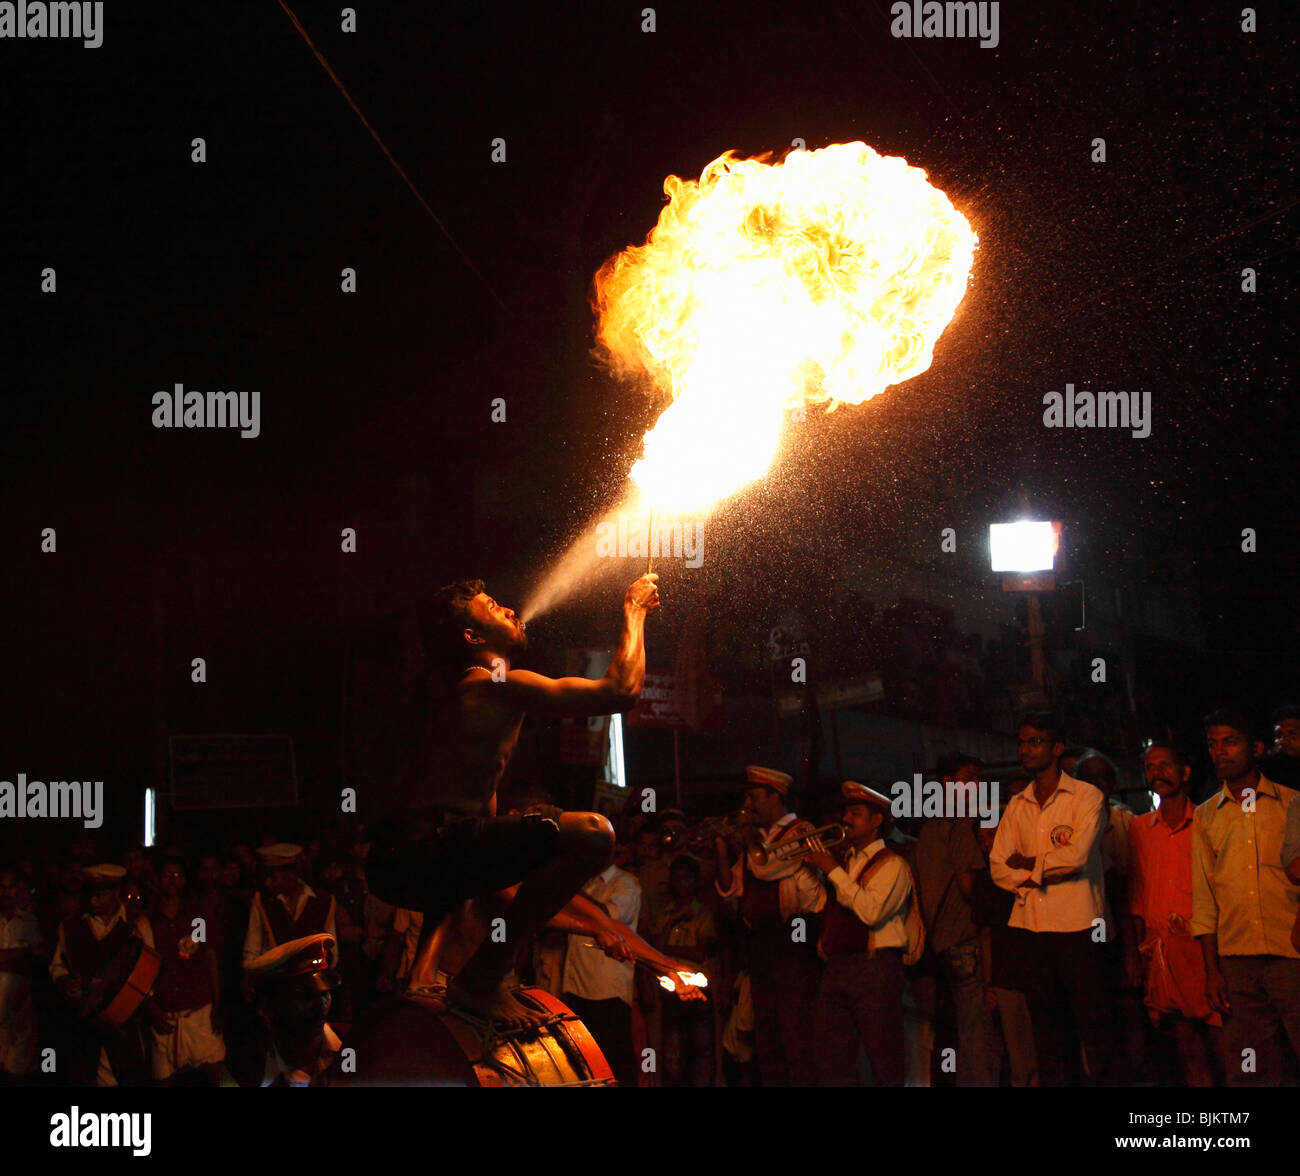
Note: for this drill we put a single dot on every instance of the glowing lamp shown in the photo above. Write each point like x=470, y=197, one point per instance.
x=1023, y=546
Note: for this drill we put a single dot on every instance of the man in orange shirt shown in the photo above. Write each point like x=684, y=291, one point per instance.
x=1160, y=899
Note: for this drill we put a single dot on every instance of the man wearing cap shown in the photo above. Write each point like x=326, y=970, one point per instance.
x=87, y=944
x=871, y=926
x=293, y=987
x=286, y=908
x=783, y=966
x=437, y=839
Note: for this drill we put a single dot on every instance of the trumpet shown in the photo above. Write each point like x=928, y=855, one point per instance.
x=733, y=828
x=797, y=847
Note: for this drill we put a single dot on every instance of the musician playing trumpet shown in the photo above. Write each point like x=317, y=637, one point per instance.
x=871, y=929
x=777, y=900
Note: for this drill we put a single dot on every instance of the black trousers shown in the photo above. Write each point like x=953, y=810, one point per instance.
x=610, y=1022
x=1066, y=983
x=861, y=1000
x=783, y=979
x=432, y=870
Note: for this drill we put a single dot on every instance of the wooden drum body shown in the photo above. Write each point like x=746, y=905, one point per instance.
x=417, y=1041
x=127, y=980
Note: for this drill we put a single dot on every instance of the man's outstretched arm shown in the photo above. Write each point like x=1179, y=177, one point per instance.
x=582, y=916
x=615, y=693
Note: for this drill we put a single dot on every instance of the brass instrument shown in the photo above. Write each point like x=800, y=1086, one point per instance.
x=733, y=828
x=796, y=847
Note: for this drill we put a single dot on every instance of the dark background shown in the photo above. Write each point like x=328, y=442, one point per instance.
x=174, y=544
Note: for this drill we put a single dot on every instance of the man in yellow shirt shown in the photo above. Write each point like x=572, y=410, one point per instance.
x=1244, y=905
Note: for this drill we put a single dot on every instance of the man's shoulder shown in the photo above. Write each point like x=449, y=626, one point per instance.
x=1285, y=794
x=1084, y=792
x=625, y=879
x=1208, y=809
x=1144, y=824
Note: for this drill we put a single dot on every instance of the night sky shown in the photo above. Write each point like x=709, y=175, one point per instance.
x=225, y=275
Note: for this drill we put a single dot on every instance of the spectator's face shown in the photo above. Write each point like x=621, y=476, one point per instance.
x=1097, y=772
x=647, y=846
x=104, y=900
x=302, y=1009
x=1165, y=775
x=1231, y=752
x=172, y=882
x=230, y=874
x=966, y=774
x=1288, y=736
x=684, y=884
x=209, y=873
x=1037, y=750
x=135, y=863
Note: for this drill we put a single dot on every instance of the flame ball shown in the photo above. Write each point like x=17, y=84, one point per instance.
x=819, y=280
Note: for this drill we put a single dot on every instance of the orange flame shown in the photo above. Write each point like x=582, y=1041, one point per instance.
x=820, y=280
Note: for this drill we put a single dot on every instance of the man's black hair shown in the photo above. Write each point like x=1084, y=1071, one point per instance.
x=446, y=620
x=950, y=763
x=1172, y=748
x=1046, y=721
x=1238, y=720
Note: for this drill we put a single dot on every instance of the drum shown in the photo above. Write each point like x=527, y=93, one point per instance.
x=417, y=1041
x=127, y=980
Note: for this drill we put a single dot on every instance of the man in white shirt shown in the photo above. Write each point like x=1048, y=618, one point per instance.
x=1048, y=852
x=783, y=968
x=865, y=935
x=599, y=988
x=286, y=908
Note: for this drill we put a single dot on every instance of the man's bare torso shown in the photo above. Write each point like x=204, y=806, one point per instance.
x=468, y=740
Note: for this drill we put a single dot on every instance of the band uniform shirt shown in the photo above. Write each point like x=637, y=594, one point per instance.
x=99, y=928
x=800, y=890
x=588, y=971
x=1240, y=890
x=260, y=938
x=1065, y=890
x=881, y=900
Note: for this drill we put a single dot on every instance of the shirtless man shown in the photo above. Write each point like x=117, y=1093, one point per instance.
x=447, y=843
